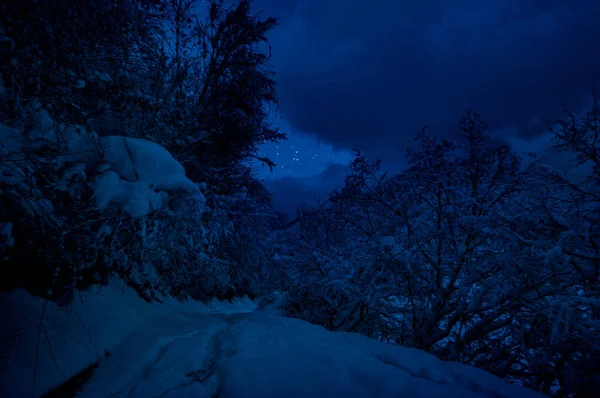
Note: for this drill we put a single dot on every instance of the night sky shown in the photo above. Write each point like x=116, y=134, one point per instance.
x=368, y=74
x=302, y=155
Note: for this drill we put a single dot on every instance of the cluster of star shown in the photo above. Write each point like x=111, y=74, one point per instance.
x=301, y=155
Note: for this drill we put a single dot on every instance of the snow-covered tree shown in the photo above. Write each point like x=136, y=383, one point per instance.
x=564, y=232
x=76, y=91
x=452, y=256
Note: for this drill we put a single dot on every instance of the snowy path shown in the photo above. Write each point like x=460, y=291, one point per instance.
x=262, y=355
x=105, y=319
x=188, y=349
x=158, y=358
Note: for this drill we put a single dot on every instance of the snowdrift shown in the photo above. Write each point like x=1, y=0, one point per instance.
x=138, y=175
x=187, y=349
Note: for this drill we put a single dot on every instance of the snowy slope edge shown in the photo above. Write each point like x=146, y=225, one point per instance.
x=72, y=338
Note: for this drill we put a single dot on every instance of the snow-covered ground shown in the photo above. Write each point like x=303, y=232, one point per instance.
x=96, y=322
x=174, y=349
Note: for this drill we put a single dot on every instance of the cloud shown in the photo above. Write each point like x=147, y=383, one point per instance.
x=368, y=74
x=289, y=192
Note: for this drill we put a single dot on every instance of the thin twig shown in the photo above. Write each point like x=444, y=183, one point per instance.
x=37, y=348
x=52, y=353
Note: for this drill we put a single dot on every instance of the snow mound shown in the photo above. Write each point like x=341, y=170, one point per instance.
x=136, y=159
x=138, y=173
x=135, y=198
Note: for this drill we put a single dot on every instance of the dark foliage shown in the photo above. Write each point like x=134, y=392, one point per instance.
x=78, y=71
x=475, y=253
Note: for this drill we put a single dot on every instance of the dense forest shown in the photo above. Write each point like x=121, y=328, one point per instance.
x=475, y=253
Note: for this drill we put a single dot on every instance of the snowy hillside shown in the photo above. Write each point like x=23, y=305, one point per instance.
x=130, y=194
x=175, y=349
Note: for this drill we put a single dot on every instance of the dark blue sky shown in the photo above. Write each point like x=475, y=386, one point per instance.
x=367, y=74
